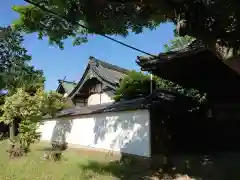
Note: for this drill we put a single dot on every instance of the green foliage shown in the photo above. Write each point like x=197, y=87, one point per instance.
x=137, y=84
x=133, y=85
x=29, y=109
x=97, y=16
x=210, y=21
x=12, y=56
x=25, y=77
x=178, y=42
x=54, y=102
x=15, y=72
x=22, y=83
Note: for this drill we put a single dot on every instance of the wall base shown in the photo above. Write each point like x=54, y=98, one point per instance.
x=109, y=155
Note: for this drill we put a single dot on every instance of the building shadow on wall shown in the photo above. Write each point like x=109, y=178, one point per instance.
x=134, y=138
x=131, y=135
x=60, y=131
x=197, y=160
x=100, y=128
x=130, y=132
x=110, y=93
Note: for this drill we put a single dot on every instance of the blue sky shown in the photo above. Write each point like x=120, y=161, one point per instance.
x=71, y=61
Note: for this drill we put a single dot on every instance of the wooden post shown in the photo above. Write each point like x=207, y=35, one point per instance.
x=151, y=78
x=101, y=93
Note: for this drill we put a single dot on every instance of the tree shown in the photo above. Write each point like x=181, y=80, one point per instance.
x=134, y=84
x=16, y=72
x=28, y=109
x=137, y=84
x=13, y=57
x=97, y=16
x=178, y=42
x=24, y=76
x=214, y=22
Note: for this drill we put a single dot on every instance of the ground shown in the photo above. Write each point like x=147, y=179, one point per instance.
x=32, y=167
x=75, y=165
x=89, y=165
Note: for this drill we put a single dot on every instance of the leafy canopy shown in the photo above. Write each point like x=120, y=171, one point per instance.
x=11, y=50
x=25, y=101
x=12, y=56
x=137, y=84
x=178, y=42
x=32, y=107
x=26, y=77
x=29, y=109
x=15, y=71
x=134, y=84
x=97, y=16
x=208, y=20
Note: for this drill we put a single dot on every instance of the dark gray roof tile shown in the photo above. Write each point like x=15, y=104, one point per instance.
x=68, y=86
x=187, y=50
x=159, y=96
x=110, y=66
x=108, y=73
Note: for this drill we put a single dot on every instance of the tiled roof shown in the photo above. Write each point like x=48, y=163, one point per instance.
x=159, y=96
x=105, y=72
x=110, y=66
x=194, y=47
x=67, y=85
x=108, y=72
x=196, y=66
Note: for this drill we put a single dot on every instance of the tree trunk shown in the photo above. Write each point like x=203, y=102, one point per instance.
x=12, y=127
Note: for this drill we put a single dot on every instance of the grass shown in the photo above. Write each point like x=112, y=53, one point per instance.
x=32, y=167
x=81, y=165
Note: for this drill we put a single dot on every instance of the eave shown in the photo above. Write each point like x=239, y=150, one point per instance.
x=65, y=89
x=96, y=70
x=197, y=68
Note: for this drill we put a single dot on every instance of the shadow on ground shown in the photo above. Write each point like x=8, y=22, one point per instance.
x=217, y=167
x=50, y=149
x=117, y=169
x=45, y=149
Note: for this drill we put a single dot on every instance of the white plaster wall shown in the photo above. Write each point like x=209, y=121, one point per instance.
x=46, y=129
x=99, y=98
x=126, y=131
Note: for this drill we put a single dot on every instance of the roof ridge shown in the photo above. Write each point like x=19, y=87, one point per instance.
x=191, y=46
x=105, y=72
x=109, y=65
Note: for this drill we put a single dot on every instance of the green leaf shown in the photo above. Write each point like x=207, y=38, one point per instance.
x=137, y=84
x=79, y=41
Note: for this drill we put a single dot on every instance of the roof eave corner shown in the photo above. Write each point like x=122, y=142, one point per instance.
x=91, y=57
x=60, y=81
x=147, y=63
x=142, y=60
